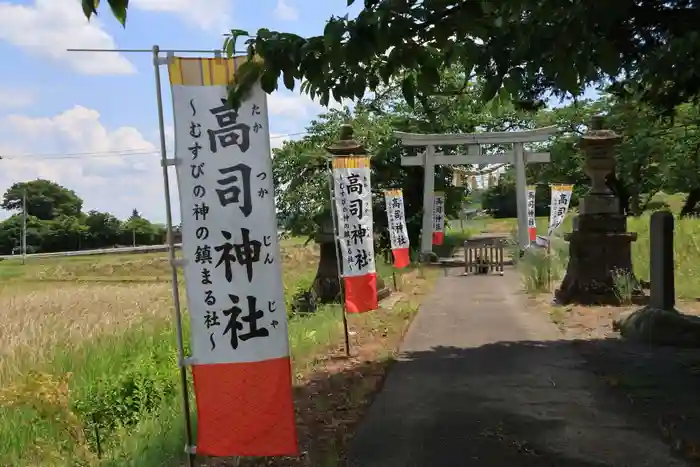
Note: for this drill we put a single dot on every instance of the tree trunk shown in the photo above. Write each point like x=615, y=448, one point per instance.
x=620, y=190
x=691, y=202
x=326, y=283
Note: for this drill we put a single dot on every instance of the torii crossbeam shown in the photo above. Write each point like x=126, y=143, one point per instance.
x=518, y=157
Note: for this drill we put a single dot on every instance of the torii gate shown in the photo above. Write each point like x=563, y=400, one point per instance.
x=517, y=156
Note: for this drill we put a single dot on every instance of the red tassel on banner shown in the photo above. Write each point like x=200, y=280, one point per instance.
x=438, y=238
x=361, y=293
x=401, y=257
x=256, y=396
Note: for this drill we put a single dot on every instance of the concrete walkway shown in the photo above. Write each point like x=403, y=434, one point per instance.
x=482, y=381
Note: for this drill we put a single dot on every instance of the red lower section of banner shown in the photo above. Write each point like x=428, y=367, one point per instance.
x=245, y=409
x=361, y=293
x=401, y=257
x=533, y=233
x=438, y=238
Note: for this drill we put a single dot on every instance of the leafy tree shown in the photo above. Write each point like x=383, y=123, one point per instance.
x=65, y=233
x=102, y=229
x=55, y=222
x=11, y=234
x=681, y=165
x=45, y=199
x=140, y=231
x=526, y=48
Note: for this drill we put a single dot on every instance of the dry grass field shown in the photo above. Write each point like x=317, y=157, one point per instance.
x=88, y=372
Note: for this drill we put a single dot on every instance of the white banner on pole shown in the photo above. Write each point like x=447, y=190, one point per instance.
x=398, y=234
x=531, y=219
x=231, y=260
x=353, y=200
x=559, y=206
x=229, y=227
x=438, y=218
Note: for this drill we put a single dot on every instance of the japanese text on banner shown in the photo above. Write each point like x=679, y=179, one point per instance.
x=353, y=201
x=240, y=361
x=559, y=205
x=229, y=234
x=398, y=234
x=438, y=212
x=531, y=220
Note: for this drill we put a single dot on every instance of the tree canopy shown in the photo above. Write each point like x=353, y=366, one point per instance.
x=56, y=222
x=521, y=48
x=45, y=199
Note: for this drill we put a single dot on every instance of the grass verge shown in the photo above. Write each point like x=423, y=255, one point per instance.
x=89, y=375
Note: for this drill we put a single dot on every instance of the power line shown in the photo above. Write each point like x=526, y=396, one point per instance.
x=114, y=153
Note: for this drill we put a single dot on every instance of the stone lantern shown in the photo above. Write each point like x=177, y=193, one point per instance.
x=327, y=283
x=600, y=246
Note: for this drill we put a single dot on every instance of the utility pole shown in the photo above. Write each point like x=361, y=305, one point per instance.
x=133, y=237
x=24, y=226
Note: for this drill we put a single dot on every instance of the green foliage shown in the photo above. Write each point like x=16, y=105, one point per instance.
x=522, y=49
x=122, y=399
x=500, y=200
x=301, y=170
x=46, y=200
x=55, y=222
x=118, y=7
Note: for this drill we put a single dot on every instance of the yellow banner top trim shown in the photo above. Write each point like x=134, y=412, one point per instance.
x=561, y=187
x=198, y=71
x=395, y=192
x=351, y=162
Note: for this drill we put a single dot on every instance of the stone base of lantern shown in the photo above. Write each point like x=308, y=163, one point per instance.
x=599, y=251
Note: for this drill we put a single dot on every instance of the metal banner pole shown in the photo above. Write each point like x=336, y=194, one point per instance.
x=173, y=265
x=338, y=258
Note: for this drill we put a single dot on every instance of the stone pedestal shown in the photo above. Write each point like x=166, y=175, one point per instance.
x=600, y=247
x=326, y=284
x=598, y=250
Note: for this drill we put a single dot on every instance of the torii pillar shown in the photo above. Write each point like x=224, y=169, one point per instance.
x=518, y=157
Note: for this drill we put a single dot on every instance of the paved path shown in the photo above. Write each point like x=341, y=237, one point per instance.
x=483, y=382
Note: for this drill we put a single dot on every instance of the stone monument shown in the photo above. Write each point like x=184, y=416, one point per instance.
x=660, y=323
x=600, y=246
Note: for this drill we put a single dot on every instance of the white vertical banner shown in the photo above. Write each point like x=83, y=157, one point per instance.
x=231, y=262
x=438, y=218
x=531, y=219
x=396, y=221
x=352, y=192
x=559, y=206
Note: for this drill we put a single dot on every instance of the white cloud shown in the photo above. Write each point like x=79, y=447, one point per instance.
x=46, y=28
x=112, y=170
x=285, y=12
x=277, y=140
x=297, y=106
x=214, y=16
x=11, y=98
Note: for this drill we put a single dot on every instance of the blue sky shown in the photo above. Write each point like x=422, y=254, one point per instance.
x=89, y=121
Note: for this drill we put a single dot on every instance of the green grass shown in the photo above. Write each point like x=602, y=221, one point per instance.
x=686, y=254
x=88, y=344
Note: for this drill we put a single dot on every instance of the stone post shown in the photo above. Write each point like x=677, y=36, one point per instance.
x=663, y=293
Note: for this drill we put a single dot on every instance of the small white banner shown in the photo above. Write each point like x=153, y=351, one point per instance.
x=559, y=206
x=398, y=234
x=438, y=212
x=531, y=221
